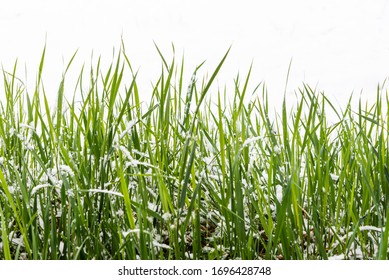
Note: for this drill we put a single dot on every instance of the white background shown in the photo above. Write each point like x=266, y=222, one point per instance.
x=339, y=47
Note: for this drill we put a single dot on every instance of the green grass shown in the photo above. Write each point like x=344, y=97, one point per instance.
x=189, y=173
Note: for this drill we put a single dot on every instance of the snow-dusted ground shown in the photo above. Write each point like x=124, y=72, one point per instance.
x=338, y=46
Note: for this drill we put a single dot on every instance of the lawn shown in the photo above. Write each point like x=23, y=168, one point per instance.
x=193, y=172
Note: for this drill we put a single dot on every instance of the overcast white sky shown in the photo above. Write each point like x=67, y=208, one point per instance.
x=338, y=46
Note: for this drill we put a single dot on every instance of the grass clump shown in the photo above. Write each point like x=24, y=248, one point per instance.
x=189, y=175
